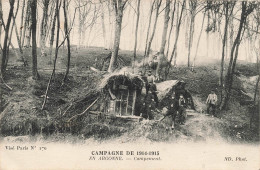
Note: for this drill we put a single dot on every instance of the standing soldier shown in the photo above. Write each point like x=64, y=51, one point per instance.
x=152, y=86
x=149, y=105
x=211, y=102
x=182, y=110
x=172, y=109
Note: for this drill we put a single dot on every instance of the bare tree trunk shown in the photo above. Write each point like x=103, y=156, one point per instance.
x=136, y=32
x=227, y=16
x=5, y=45
x=9, y=43
x=79, y=29
x=49, y=24
x=193, y=6
x=28, y=30
x=164, y=34
x=119, y=7
x=246, y=10
x=35, y=73
x=176, y=41
x=231, y=37
x=57, y=13
x=52, y=36
x=257, y=58
x=208, y=24
x=1, y=22
x=43, y=30
x=11, y=35
x=26, y=23
x=194, y=59
x=103, y=23
x=256, y=86
x=21, y=25
x=19, y=44
x=170, y=32
x=176, y=32
x=148, y=29
x=111, y=26
x=68, y=39
x=158, y=4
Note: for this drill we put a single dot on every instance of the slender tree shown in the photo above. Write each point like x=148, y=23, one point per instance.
x=27, y=26
x=193, y=5
x=52, y=36
x=103, y=23
x=80, y=23
x=171, y=27
x=157, y=7
x=119, y=6
x=208, y=26
x=227, y=16
x=176, y=41
x=21, y=24
x=1, y=22
x=198, y=43
x=18, y=39
x=258, y=79
x=247, y=8
x=67, y=33
x=5, y=45
x=11, y=34
x=136, y=32
x=164, y=34
x=176, y=33
x=35, y=73
x=148, y=29
x=57, y=13
x=43, y=30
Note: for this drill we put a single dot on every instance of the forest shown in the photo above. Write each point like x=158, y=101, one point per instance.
x=59, y=56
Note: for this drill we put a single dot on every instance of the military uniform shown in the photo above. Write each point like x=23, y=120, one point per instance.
x=152, y=87
x=149, y=105
x=172, y=109
x=182, y=110
x=211, y=102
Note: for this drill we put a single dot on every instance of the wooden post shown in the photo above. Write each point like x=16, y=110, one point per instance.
x=114, y=106
x=121, y=99
x=134, y=101
x=127, y=101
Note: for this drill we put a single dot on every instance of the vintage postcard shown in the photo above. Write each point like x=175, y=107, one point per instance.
x=129, y=84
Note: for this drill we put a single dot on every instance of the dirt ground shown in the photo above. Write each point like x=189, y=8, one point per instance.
x=23, y=120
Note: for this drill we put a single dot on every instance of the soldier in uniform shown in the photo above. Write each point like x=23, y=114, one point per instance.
x=149, y=105
x=182, y=109
x=211, y=102
x=172, y=107
x=151, y=86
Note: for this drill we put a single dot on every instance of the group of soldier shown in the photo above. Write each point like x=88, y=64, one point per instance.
x=177, y=103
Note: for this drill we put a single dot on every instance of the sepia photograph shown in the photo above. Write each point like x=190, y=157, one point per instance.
x=129, y=84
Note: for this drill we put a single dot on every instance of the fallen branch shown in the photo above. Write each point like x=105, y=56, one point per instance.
x=46, y=92
x=84, y=110
x=6, y=85
x=67, y=109
x=94, y=69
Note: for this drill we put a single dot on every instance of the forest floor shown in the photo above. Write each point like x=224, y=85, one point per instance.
x=23, y=120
